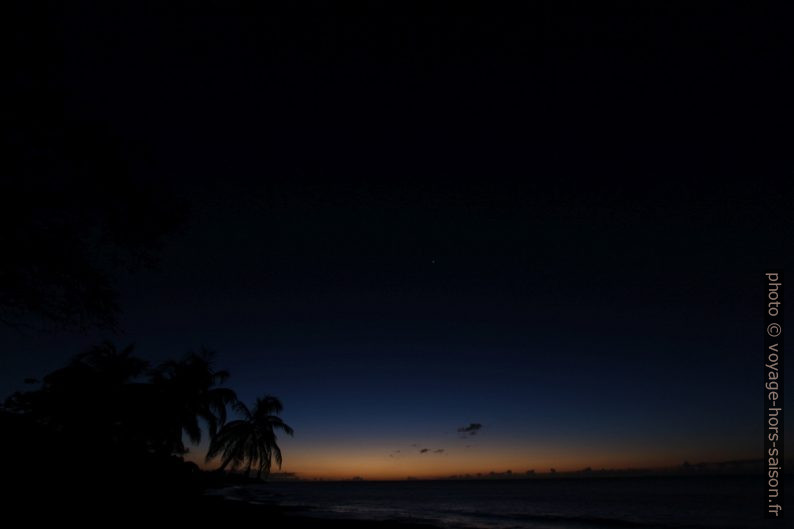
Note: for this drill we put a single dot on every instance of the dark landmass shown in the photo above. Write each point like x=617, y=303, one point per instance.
x=195, y=510
x=743, y=467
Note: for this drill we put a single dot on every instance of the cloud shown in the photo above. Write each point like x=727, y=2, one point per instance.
x=439, y=451
x=424, y=450
x=471, y=429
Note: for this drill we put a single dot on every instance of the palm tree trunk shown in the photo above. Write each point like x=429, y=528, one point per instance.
x=248, y=470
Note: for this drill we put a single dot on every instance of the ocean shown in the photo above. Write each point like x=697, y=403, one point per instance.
x=667, y=502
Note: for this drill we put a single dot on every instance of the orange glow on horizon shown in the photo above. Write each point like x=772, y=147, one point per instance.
x=377, y=463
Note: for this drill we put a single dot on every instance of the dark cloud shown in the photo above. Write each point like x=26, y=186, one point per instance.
x=470, y=430
x=439, y=451
x=424, y=450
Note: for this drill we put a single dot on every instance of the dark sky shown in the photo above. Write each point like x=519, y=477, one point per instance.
x=554, y=224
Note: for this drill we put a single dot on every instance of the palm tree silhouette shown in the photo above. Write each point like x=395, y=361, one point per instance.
x=188, y=393
x=252, y=439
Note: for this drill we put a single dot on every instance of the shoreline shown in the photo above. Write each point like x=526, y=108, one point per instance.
x=279, y=516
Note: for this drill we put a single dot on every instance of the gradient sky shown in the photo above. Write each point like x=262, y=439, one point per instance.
x=556, y=238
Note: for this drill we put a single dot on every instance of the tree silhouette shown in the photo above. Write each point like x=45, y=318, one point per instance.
x=187, y=393
x=110, y=420
x=93, y=397
x=67, y=238
x=74, y=213
x=251, y=440
x=110, y=402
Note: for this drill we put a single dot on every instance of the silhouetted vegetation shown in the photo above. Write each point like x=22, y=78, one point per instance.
x=251, y=440
x=67, y=237
x=118, y=426
x=73, y=211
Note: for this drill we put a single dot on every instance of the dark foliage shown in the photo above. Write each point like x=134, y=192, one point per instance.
x=251, y=440
x=109, y=427
x=73, y=213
